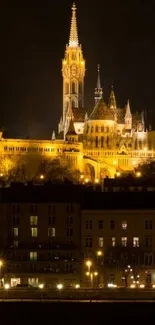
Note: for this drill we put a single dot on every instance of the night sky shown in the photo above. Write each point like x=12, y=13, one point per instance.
x=120, y=35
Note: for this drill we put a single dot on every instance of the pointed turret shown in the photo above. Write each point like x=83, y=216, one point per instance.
x=112, y=99
x=128, y=116
x=143, y=120
x=71, y=134
x=53, y=135
x=73, y=39
x=98, y=89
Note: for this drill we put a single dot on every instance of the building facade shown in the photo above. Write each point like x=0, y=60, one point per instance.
x=101, y=140
x=49, y=233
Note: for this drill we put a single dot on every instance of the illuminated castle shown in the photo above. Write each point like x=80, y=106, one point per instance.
x=99, y=141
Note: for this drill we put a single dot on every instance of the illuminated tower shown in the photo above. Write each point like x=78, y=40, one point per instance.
x=112, y=100
x=98, y=90
x=73, y=70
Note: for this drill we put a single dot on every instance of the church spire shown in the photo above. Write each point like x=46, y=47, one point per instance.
x=73, y=39
x=98, y=89
x=112, y=99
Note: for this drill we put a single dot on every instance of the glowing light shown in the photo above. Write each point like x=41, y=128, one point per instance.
x=99, y=253
x=138, y=174
x=132, y=286
x=114, y=162
x=96, y=180
x=77, y=286
x=1, y=175
x=1, y=263
x=81, y=176
x=145, y=149
x=95, y=273
x=60, y=286
x=134, y=162
x=153, y=286
x=118, y=174
x=88, y=263
x=142, y=286
x=86, y=180
x=87, y=273
x=111, y=285
x=6, y=286
x=41, y=286
x=82, y=62
x=41, y=176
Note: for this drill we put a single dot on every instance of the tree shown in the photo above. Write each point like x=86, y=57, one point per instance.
x=147, y=168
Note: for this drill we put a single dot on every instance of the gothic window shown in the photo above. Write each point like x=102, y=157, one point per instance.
x=73, y=56
x=92, y=129
x=102, y=128
x=96, y=129
x=140, y=144
x=80, y=87
x=107, y=128
x=66, y=88
x=73, y=103
x=102, y=142
x=73, y=87
x=107, y=141
x=96, y=142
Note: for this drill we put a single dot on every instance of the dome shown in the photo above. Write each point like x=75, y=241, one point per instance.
x=101, y=112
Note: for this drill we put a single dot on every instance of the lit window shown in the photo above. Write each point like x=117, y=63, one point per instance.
x=15, y=232
x=33, y=220
x=113, y=241
x=51, y=232
x=124, y=241
x=135, y=241
x=124, y=225
x=34, y=232
x=100, y=241
x=33, y=256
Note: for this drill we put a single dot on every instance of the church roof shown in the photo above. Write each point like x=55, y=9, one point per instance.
x=101, y=112
x=71, y=129
x=80, y=112
x=120, y=113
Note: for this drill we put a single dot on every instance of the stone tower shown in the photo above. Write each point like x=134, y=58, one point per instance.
x=73, y=70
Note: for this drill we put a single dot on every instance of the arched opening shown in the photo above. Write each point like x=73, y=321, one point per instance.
x=73, y=103
x=73, y=87
x=89, y=172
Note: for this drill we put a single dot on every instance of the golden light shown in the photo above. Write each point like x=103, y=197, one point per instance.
x=1, y=263
x=138, y=174
x=60, y=286
x=1, y=174
x=81, y=176
x=41, y=176
x=87, y=273
x=64, y=61
x=95, y=273
x=114, y=162
x=88, y=263
x=96, y=180
x=82, y=62
x=118, y=174
x=142, y=286
x=6, y=286
x=99, y=253
x=86, y=180
x=132, y=286
x=145, y=149
x=77, y=286
x=41, y=286
x=134, y=162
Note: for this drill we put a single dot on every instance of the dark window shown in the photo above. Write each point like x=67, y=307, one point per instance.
x=51, y=208
x=100, y=224
x=51, y=220
x=69, y=231
x=33, y=208
x=148, y=241
x=16, y=208
x=148, y=224
x=88, y=242
x=69, y=208
x=15, y=220
x=89, y=224
x=69, y=220
x=112, y=224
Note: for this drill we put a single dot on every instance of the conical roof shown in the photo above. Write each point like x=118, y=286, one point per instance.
x=101, y=112
x=112, y=100
x=71, y=129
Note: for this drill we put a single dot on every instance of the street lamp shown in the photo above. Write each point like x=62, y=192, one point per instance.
x=41, y=176
x=89, y=264
x=99, y=253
